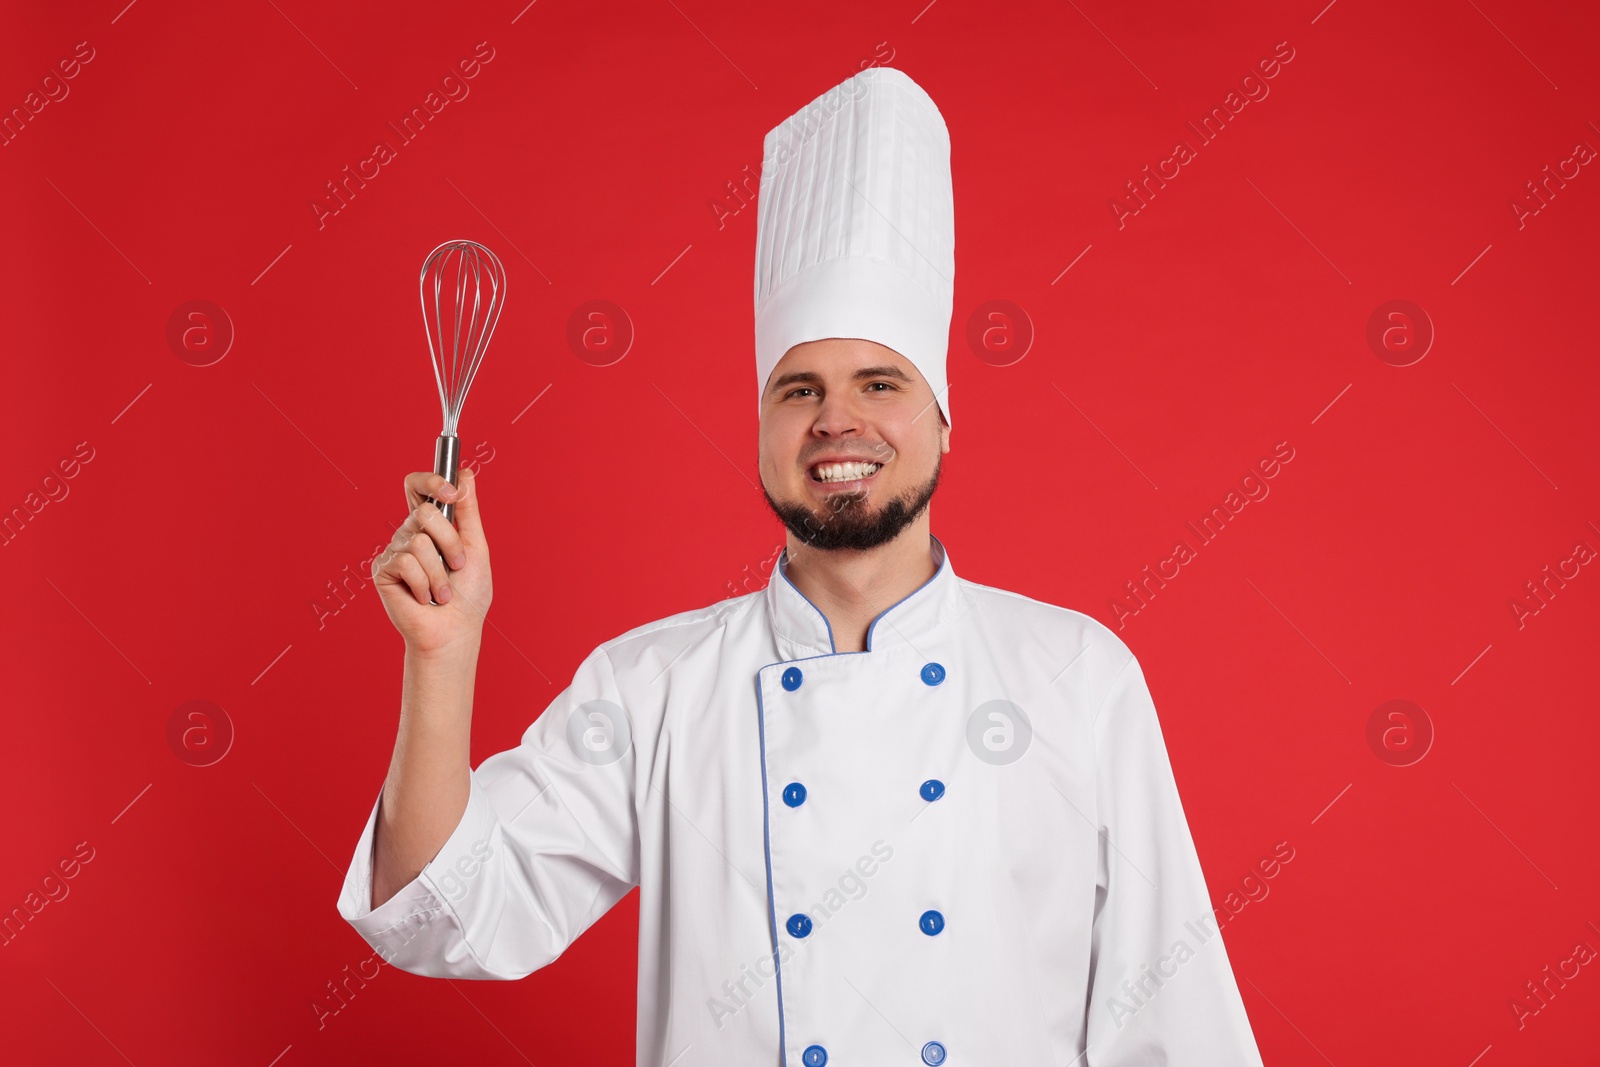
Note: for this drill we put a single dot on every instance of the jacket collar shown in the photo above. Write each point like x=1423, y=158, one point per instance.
x=802, y=630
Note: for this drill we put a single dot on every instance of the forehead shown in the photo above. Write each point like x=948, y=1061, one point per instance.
x=840, y=358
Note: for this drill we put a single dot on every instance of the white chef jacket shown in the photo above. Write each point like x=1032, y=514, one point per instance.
x=962, y=846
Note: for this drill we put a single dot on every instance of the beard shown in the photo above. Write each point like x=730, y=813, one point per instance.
x=847, y=521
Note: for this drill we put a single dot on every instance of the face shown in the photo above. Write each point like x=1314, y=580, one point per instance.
x=831, y=405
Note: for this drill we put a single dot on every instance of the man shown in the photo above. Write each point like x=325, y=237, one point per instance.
x=878, y=814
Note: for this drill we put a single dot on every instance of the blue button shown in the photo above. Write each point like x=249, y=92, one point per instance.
x=814, y=1056
x=932, y=789
x=933, y=1053
x=933, y=673
x=794, y=794
x=791, y=682
x=931, y=922
x=800, y=925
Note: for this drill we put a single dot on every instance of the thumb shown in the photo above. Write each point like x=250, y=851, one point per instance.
x=469, y=522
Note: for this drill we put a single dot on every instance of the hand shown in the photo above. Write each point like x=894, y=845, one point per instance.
x=434, y=607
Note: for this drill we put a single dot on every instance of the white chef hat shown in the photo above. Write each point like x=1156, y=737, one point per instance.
x=855, y=234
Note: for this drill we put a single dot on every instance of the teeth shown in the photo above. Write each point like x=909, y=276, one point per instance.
x=843, y=472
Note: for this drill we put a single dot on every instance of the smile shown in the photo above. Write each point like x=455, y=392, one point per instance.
x=841, y=473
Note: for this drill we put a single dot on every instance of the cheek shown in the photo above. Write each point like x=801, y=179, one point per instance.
x=769, y=463
x=777, y=448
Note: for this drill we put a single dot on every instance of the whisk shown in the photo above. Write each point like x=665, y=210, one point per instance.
x=463, y=288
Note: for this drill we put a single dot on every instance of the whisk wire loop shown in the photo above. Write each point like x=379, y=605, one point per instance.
x=460, y=318
x=459, y=331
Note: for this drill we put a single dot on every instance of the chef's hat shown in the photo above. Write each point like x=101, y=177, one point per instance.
x=855, y=236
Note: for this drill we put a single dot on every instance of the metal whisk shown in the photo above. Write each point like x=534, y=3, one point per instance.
x=463, y=288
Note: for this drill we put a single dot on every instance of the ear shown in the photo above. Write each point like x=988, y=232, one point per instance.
x=944, y=434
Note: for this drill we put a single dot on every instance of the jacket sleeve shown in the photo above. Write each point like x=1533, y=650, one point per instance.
x=1161, y=989
x=547, y=844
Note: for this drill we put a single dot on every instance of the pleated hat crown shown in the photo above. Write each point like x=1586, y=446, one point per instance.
x=855, y=232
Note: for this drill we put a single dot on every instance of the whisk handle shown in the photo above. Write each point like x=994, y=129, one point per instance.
x=446, y=457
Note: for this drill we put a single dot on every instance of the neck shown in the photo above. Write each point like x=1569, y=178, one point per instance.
x=852, y=587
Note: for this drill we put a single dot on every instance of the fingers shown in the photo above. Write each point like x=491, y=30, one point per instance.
x=413, y=559
x=469, y=522
x=413, y=556
x=435, y=581
x=405, y=567
x=422, y=485
x=428, y=520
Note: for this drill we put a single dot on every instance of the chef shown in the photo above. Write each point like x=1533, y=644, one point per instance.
x=878, y=814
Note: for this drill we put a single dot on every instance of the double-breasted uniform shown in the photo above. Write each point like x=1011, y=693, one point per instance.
x=963, y=846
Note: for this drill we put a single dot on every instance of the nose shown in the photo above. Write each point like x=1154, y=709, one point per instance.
x=838, y=415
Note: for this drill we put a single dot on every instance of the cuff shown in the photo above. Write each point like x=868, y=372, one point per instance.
x=430, y=896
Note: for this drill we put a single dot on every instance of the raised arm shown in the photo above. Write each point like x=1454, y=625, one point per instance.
x=487, y=873
x=440, y=612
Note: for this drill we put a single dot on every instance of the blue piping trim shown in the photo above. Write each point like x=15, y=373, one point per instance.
x=766, y=810
x=766, y=826
x=833, y=648
x=944, y=561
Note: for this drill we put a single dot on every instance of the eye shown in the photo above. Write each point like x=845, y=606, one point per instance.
x=891, y=386
x=791, y=392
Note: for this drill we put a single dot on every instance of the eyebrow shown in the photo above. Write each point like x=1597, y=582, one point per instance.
x=813, y=378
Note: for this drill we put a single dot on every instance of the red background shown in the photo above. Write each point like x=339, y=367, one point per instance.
x=1229, y=314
